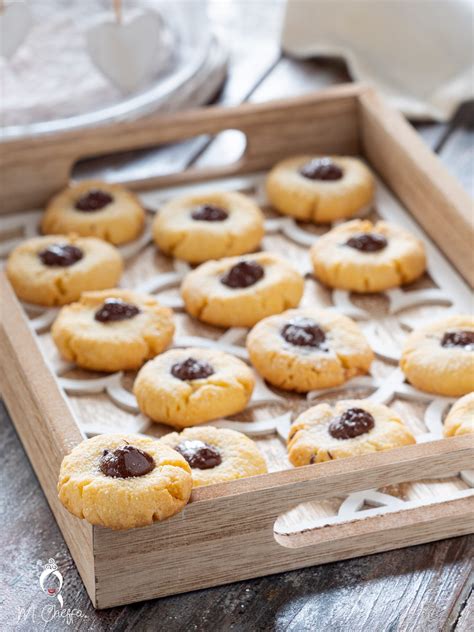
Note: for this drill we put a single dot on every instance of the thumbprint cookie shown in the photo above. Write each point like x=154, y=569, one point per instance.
x=55, y=270
x=363, y=257
x=197, y=228
x=113, y=330
x=238, y=292
x=320, y=189
x=439, y=357
x=124, y=481
x=95, y=209
x=460, y=419
x=186, y=387
x=350, y=428
x=217, y=455
x=306, y=349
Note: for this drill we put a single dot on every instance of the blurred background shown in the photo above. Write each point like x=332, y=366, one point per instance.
x=67, y=70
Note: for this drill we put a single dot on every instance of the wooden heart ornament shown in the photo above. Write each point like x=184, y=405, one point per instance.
x=15, y=22
x=131, y=52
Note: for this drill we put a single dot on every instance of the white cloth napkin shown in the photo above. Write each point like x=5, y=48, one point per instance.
x=418, y=53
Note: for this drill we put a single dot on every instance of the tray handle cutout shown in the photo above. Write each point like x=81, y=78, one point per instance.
x=367, y=512
x=221, y=152
x=273, y=496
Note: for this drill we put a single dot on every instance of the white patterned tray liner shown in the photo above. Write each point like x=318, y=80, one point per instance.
x=451, y=291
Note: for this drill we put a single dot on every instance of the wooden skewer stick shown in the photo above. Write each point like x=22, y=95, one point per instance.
x=117, y=8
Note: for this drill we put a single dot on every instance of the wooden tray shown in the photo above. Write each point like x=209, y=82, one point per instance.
x=289, y=518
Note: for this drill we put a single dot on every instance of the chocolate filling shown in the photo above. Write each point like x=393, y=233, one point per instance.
x=115, y=309
x=93, y=200
x=321, y=169
x=243, y=274
x=62, y=255
x=209, y=213
x=192, y=369
x=460, y=338
x=367, y=242
x=352, y=423
x=199, y=455
x=304, y=332
x=125, y=462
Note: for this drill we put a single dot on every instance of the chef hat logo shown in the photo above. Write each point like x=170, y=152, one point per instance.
x=51, y=581
x=51, y=565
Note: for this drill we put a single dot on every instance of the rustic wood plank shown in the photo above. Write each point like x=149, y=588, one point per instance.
x=465, y=619
x=457, y=151
x=432, y=133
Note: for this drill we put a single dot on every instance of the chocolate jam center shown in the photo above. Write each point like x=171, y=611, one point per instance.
x=125, y=462
x=62, y=255
x=209, y=213
x=93, y=200
x=243, y=274
x=367, y=242
x=460, y=338
x=199, y=455
x=304, y=332
x=321, y=169
x=192, y=369
x=352, y=423
x=115, y=309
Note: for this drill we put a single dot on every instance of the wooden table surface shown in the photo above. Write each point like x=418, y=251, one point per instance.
x=424, y=588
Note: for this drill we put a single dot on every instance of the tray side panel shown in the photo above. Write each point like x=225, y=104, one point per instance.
x=434, y=197
x=184, y=562
x=322, y=122
x=43, y=421
x=226, y=533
